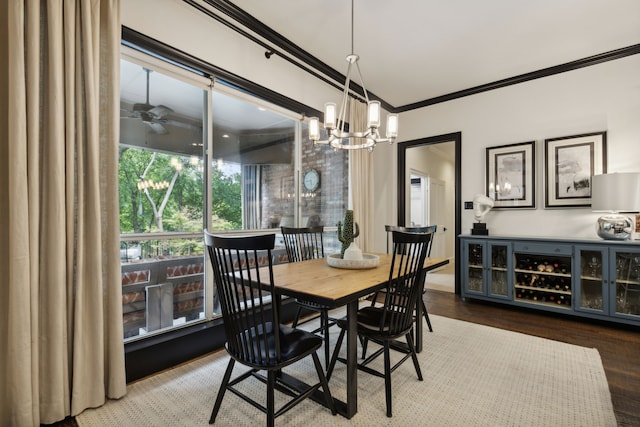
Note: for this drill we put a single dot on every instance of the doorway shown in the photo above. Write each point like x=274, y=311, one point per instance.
x=435, y=160
x=428, y=197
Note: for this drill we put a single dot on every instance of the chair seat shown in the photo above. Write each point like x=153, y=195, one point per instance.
x=369, y=321
x=294, y=344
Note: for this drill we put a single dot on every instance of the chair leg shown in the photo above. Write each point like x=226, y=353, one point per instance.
x=387, y=376
x=414, y=356
x=364, y=341
x=221, y=391
x=325, y=321
x=426, y=315
x=297, y=318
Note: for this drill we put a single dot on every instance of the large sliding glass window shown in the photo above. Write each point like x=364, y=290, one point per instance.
x=161, y=187
x=193, y=156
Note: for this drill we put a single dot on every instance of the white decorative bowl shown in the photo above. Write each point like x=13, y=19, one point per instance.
x=367, y=261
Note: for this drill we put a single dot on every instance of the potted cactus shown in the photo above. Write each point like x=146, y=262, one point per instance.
x=347, y=231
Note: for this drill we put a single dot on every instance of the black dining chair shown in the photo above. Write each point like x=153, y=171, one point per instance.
x=303, y=244
x=427, y=229
x=385, y=324
x=243, y=275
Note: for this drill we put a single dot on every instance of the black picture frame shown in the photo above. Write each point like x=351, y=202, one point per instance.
x=510, y=175
x=570, y=162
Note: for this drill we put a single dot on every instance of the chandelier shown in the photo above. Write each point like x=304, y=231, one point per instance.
x=336, y=119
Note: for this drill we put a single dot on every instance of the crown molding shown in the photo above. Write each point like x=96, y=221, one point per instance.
x=286, y=49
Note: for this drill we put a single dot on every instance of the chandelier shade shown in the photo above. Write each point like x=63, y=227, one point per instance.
x=335, y=119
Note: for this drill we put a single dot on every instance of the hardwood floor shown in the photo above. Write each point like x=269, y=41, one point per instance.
x=619, y=346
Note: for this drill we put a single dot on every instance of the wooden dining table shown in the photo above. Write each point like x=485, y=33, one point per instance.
x=316, y=281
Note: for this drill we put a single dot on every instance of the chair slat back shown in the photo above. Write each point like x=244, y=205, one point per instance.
x=249, y=320
x=405, y=280
x=303, y=243
x=425, y=229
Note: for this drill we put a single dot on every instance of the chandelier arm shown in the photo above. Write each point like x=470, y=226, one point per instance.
x=364, y=88
x=342, y=116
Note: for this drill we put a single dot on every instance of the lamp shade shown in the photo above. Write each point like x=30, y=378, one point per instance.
x=373, y=119
x=616, y=192
x=392, y=126
x=330, y=115
x=314, y=129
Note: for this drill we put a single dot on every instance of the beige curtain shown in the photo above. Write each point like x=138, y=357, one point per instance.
x=60, y=299
x=361, y=177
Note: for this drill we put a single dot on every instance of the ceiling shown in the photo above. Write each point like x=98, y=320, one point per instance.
x=416, y=50
x=411, y=52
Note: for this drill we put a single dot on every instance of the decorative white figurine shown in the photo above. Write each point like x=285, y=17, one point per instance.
x=481, y=205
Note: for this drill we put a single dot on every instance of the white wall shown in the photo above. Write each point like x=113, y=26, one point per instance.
x=604, y=97
x=597, y=98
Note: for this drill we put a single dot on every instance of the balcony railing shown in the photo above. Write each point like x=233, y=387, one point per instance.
x=163, y=280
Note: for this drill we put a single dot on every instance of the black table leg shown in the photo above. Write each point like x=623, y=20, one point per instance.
x=352, y=359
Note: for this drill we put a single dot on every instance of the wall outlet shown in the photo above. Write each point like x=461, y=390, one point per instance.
x=468, y=205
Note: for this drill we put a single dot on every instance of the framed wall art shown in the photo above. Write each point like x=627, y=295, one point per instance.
x=569, y=164
x=510, y=179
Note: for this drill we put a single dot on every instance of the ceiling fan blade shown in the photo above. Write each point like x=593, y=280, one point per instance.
x=157, y=128
x=181, y=124
x=160, y=111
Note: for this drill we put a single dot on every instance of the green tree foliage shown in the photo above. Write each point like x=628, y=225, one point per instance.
x=179, y=205
x=227, y=202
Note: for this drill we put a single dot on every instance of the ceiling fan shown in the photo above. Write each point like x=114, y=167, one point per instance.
x=151, y=115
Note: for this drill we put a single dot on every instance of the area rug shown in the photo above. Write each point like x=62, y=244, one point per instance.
x=474, y=375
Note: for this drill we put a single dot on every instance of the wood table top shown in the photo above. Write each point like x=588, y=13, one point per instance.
x=316, y=281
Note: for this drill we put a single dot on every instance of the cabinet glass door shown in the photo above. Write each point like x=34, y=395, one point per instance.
x=499, y=277
x=592, y=281
x=474, y=273
x=626, y=288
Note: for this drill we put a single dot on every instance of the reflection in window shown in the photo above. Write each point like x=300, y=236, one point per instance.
x=160, y=174
x=254, y=152
x=256, y=149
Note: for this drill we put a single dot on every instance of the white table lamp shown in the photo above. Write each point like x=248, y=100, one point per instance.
x=615, y=193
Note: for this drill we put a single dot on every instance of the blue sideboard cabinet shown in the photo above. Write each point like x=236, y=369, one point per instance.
x=592, y=278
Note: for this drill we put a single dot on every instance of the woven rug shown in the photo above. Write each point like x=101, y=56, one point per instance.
x=474, y=375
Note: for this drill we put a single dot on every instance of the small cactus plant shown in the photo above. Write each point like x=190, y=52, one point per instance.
x=348, y=232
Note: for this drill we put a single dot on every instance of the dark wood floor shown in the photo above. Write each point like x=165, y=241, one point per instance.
x=619, y=346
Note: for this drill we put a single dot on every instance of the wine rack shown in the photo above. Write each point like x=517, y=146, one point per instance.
x=543, y=280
